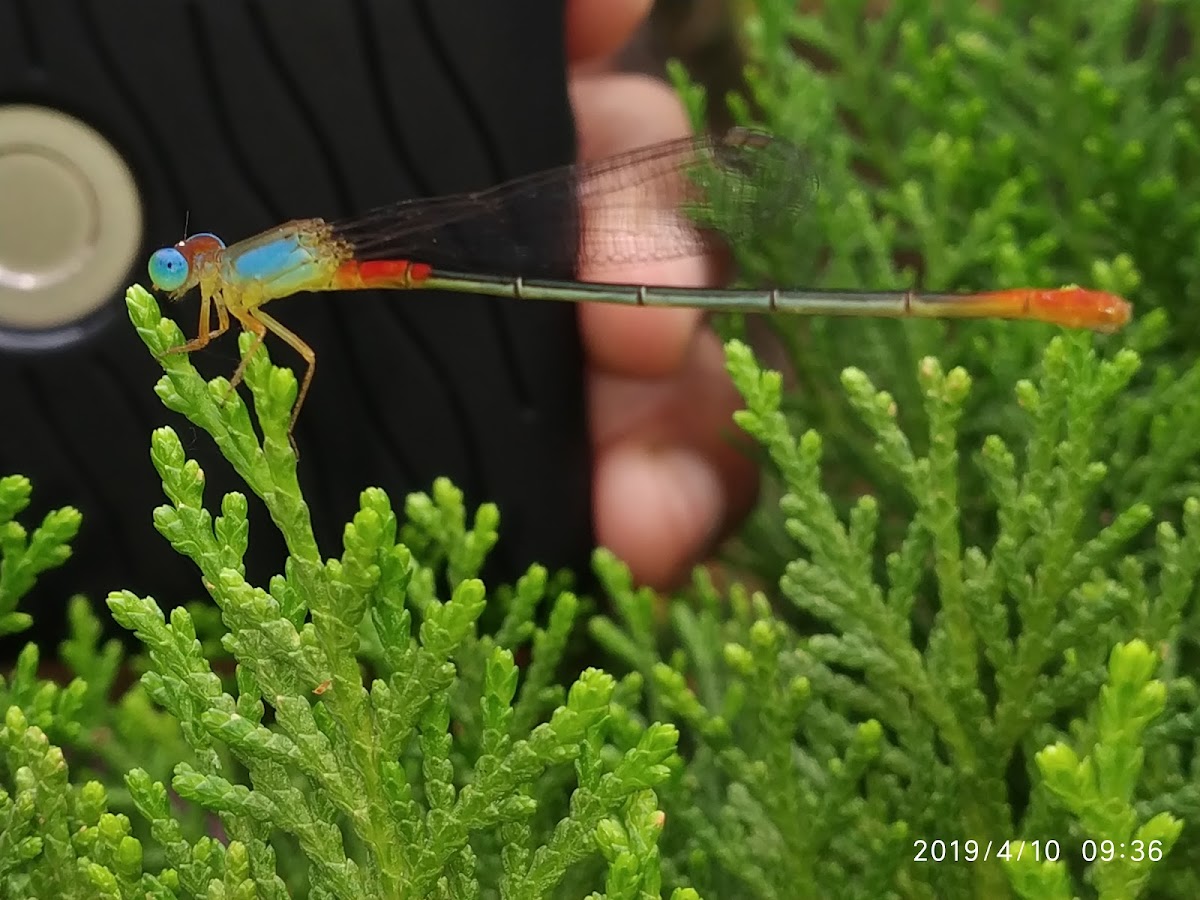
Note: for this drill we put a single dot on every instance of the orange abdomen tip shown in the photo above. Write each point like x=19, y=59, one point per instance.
x=1077, y=307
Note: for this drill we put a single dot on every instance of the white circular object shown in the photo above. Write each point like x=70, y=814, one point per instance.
x=70, y=219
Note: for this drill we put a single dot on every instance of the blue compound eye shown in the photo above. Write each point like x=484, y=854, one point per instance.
x=168, y=269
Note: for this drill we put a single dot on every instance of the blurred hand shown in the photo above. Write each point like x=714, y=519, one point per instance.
x=668, y=482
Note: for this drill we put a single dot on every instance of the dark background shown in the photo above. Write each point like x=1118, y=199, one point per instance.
x=242, y=114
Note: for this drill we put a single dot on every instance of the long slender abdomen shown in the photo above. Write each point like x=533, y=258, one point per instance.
x=387, y=274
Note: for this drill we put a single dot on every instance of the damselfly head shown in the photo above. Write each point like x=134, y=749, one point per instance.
x=176, y=270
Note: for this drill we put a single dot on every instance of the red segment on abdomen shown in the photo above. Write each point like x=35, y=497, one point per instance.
x=396, y=274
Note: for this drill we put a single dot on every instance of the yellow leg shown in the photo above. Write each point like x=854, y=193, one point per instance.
x=259, y=330
x=256, y=328
x=259, y=323
x=204, y=333
x=222, y=318
x=306, y=352
x=246, y=300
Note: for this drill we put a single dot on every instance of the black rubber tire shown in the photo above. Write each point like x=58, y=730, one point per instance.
x=243, y=114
